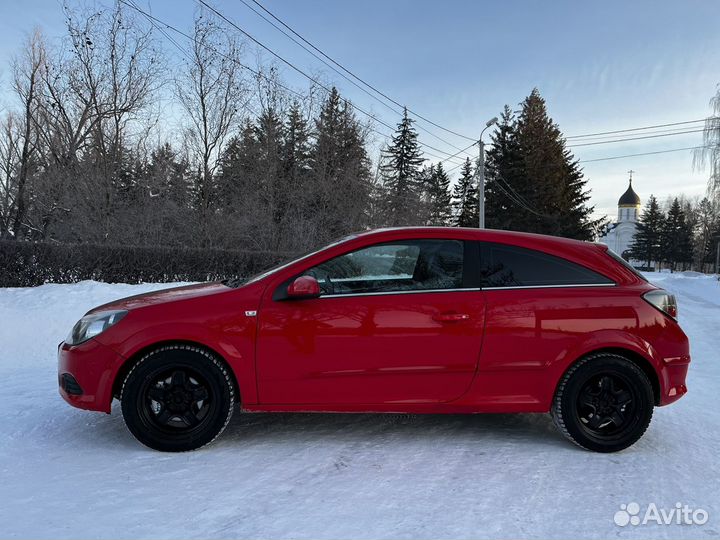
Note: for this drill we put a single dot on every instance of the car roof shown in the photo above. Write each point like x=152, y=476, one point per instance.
x=487, y=235
x=589, y=254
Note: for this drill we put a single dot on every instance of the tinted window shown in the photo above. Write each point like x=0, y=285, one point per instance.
x=626, y=264
x=412, y=265
x=511, y=266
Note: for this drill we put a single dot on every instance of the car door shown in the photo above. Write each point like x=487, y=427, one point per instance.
x=396, y=323
x=539, y=308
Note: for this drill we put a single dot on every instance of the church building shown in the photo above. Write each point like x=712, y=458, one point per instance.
x=619, y=235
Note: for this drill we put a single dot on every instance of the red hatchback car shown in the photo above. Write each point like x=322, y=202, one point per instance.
x=415, y=320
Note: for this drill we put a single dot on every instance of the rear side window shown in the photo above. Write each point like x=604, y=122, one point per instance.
x=511, y=266
x=626, y=264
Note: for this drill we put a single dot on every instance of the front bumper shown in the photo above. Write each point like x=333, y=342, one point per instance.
x=86, y=373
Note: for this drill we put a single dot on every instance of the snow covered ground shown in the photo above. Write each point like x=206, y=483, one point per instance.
x=66, y=473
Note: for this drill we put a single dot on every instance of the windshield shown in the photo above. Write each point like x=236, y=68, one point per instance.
x=237, y=282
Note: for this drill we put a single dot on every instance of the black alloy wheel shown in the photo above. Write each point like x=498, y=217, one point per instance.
x=604, y=402
x=177, y=398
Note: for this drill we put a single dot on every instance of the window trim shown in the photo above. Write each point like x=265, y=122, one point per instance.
x=568, y=286
x=483, y=246
x=387, y=293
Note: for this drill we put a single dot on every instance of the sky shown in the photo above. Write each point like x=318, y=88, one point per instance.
x=601, y=66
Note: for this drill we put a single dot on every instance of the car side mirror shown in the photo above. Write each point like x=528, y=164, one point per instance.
x=303, y=287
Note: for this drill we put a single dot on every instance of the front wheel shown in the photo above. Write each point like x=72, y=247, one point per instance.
x=603, y=403
x=177, y=398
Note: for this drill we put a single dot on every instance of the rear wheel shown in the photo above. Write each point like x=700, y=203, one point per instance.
x=177, y=398
x=603, y=403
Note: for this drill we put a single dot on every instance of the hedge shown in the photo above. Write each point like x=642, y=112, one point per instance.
x=26, y=264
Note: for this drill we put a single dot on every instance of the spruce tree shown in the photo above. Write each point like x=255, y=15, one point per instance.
x=646, y=243
x=503, y=169
x=539, y=186
x=706, y=223
x=401, y=175
x=166, y=176
x=269, y=135
x=340, y=178
x=676, y=237
x=237, y=178
x=439, y=198
x=295, y=166
x=465, y=198
x=295, y=147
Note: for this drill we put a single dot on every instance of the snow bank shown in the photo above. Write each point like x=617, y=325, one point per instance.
x=73, y=474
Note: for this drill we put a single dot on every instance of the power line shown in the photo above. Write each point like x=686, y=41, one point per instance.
x=635, y=129
x=636, y=138
x=668, y=131
x=643, y=154
x=259, y=74
x=518, y=202
x=382, y=102
x=302, y=72
x=154, y=19
x=608, y=158
x=456, y=154
x=182, y=50
x=346, y=70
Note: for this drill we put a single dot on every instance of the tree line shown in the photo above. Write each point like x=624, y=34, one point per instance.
x=680, y=235
x=113, y=141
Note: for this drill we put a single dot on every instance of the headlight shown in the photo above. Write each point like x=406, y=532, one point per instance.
x=92, y=325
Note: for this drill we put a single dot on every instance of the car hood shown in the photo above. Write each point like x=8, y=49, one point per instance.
x=164, y=296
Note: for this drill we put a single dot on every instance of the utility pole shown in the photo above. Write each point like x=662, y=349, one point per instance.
x=481, y=185
x=481, y=174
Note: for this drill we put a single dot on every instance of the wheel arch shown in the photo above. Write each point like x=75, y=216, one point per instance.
x=130, y=362
x=633, y=356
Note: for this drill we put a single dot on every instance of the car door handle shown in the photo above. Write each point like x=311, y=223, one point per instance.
x=451, y=317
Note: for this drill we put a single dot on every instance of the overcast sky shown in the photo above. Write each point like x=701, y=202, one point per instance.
x=601, y=66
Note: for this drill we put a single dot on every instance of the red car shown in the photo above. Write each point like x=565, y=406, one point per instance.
x=414, y=320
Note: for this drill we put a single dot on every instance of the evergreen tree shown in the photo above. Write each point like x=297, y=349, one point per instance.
x=539, y=186
x=646, y=243
x=676, y=237
x=296, y=168
x=503, y=169
x=296, y=149
x=340, y=180
x=238, y=168
x=439, y=198
x=465, y=198
x=269, y=135
x=711, y=251
x=707, y=223
x=401, y=175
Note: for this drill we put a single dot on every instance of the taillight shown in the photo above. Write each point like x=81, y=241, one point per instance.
x=664, y=301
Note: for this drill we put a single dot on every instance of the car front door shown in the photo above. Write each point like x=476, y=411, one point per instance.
x=396, y=323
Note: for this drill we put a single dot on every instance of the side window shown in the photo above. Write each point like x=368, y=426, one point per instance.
x=510, y=266
x=412, y=265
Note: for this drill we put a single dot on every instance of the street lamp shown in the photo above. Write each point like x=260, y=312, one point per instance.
x=481, y=174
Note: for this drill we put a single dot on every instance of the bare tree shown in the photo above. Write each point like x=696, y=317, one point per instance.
x=211, y=92
x=93, y=91
x=9, y=158
x=709, y=154
x=17, y=150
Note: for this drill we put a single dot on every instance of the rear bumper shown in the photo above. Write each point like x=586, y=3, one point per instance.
x=85, y=375
x=672, y=383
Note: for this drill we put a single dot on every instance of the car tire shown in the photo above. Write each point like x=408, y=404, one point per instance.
x=603, y=403
x=177, y=398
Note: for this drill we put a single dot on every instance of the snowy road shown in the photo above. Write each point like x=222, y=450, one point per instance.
x=69, y=474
